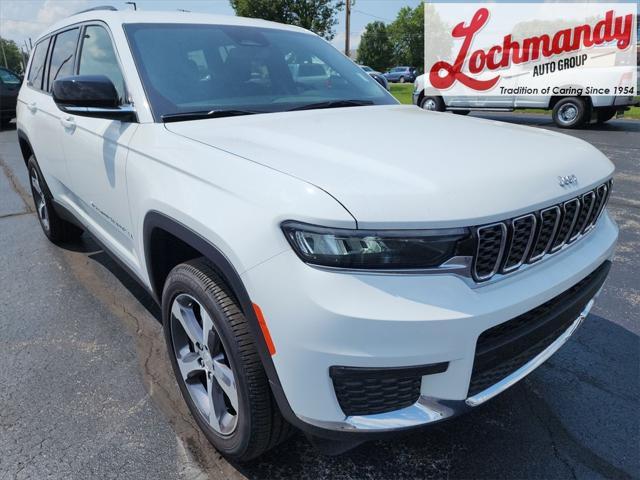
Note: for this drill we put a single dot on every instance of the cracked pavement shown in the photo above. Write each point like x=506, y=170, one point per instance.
x=86, y=390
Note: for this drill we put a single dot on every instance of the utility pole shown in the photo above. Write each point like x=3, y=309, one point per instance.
x=347, y=28
x=6, y=65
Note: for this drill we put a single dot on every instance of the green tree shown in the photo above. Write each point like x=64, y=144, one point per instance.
x=13, y=55
x=406, y=33
x=375, y=49
x=319, y=16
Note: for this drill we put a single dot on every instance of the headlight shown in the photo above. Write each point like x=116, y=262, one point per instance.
x=375, y=249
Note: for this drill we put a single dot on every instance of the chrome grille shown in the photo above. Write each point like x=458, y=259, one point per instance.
x=548, y=224
x=586, y=205
x=523, y=230
x=491, y=240
x=570, y=210
x=503, y=247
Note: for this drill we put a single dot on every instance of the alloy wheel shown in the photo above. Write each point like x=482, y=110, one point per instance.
x=204, y=364
x=40, y=201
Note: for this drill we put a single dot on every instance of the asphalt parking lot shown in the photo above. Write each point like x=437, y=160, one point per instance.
x=86, y=390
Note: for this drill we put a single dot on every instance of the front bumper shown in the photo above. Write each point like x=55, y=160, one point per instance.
x=321, y=319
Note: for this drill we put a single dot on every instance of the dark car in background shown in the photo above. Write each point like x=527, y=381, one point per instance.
x=9, y=87
x=401, y=74
x=377, y=76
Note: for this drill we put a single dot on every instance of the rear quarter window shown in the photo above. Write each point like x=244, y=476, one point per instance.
x=36, y=70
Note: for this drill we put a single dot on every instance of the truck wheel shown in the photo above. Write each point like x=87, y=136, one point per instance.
x=571, y=112
x=217, y=365
x=605, y=114
x=54, y=227
x=434, y=104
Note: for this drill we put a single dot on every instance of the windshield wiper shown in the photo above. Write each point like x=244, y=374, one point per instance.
x=333, y=104
x=198, y=115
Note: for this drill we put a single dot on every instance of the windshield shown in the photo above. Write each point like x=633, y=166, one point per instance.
x=9, y=78
x=199, y=68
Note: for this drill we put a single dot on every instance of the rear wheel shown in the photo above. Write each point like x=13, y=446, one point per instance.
x=54, y=227
x=571, y=112
x=402, y=80
x=434, y=104
x=217, y=364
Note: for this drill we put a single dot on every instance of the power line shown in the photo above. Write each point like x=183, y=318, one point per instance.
x=371, y=15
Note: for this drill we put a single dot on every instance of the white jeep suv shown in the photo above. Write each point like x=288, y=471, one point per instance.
x=316, y=266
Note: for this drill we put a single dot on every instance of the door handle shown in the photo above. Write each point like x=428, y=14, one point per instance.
x=33, y=107
x=68, y=123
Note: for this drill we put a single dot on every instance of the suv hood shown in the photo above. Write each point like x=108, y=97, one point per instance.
x=404, y=167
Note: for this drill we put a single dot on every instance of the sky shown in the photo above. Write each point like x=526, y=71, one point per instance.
x=21, y=19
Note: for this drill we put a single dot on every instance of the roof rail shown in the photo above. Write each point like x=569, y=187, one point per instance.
x=101, y=7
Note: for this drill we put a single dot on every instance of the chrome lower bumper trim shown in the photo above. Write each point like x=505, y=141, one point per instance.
x=529, y=367
x=430, y=410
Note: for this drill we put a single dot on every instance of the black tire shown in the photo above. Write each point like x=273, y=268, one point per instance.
x=259, y=425
x=571, y=112
x=54, y=227
x=461, y=112
x=402, y=80
x=435, y=104
x=605, y=114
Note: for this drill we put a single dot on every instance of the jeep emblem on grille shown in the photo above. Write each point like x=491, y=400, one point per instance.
x=567, y=180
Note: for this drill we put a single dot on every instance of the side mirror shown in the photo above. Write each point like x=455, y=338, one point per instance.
x=91, y=96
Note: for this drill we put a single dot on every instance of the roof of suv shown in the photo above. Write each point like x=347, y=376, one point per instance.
x=141, y=16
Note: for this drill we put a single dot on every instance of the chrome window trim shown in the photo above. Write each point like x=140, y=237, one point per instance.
x=529, y=242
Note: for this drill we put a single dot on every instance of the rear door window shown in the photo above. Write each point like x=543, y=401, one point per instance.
x=36, y=71
x=63, y=56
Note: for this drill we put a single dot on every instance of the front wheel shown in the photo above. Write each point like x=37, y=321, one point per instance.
x=402, y=80
x=571, y=112
x=217, y=365
x=434, y=104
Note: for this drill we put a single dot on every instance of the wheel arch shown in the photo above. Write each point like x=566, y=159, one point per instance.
x=556, y=98
x=158, y=228
x=168, y=242
x=25, y=146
